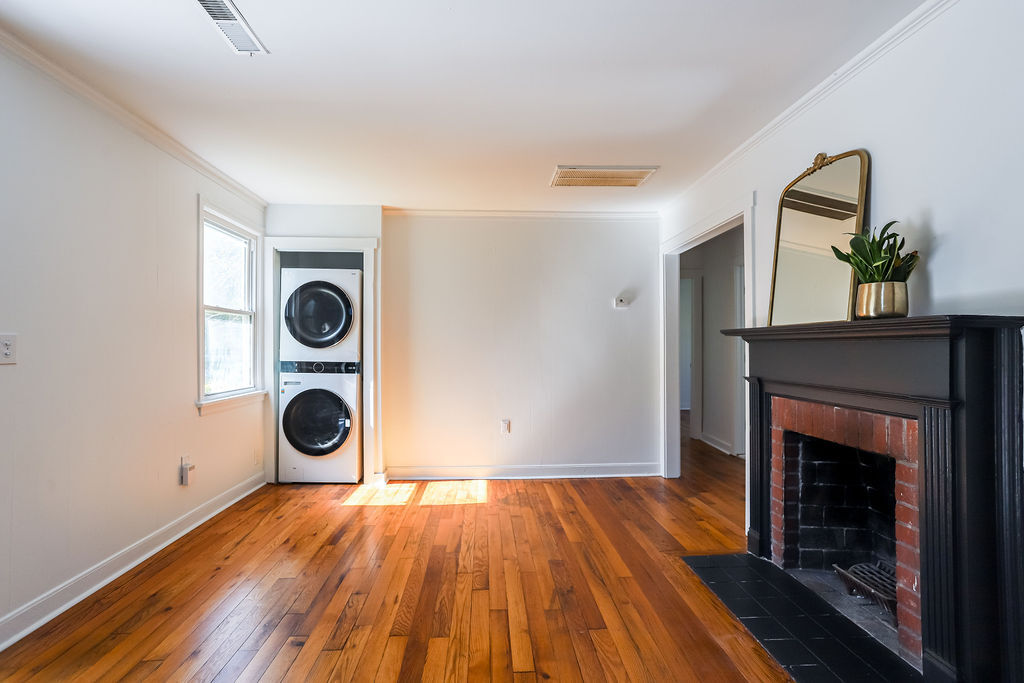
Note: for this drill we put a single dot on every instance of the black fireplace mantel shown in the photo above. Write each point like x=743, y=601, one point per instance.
x=961, y=378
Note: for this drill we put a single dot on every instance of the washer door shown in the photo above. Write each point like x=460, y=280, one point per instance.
x=316, y=422
x=318, y=314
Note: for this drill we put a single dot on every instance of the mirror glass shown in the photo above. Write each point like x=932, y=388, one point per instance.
x=816, y=211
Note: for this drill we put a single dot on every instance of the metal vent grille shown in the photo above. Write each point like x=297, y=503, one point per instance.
x=233, y=26
x=601, y=176
x=218, y=11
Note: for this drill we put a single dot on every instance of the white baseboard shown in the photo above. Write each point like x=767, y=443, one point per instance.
x=715, y=442
x=17, y=624
x=618, y=469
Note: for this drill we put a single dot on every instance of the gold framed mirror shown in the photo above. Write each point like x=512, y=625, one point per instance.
x=816, y=212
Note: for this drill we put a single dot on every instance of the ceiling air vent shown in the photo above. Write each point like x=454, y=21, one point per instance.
x=601, y=176
x=234, y=27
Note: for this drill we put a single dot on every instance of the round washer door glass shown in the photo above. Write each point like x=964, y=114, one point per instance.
x=318, y=314
x=316, y=422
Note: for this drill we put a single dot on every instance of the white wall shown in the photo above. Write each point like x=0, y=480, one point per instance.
x=491, y=317
x=721, y=374
x=98, y=259
x=314, y=220
x=940, y=114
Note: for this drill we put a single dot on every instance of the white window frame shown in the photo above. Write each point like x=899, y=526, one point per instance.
x=222, y=221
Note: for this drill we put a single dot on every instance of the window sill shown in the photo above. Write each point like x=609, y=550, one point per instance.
x=216, y=405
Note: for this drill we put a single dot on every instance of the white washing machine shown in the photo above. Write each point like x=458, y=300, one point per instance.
x=319, y=435
x=320, y=314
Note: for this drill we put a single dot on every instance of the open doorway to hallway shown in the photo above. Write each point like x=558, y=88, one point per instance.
x=711, y=366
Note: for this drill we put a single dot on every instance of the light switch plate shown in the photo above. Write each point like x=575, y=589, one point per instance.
x=8, y=349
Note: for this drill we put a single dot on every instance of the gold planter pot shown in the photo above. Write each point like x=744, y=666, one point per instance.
x=882, y=300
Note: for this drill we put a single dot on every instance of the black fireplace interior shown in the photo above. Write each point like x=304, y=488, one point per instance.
x=847, y=507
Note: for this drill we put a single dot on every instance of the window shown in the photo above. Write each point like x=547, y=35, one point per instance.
x=228, y=303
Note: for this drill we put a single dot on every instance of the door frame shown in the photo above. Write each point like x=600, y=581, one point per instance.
x=737, y=213
x=696, y=350
x=373, y=452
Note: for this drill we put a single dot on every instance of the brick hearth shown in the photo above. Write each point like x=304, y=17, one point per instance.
x=889, y=435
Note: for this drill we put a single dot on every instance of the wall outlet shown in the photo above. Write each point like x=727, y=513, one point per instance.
x=8, y=349
x=506, y=427
x=256, y=456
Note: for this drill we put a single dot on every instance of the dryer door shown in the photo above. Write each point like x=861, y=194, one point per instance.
x=318, y=314
x=316, y=422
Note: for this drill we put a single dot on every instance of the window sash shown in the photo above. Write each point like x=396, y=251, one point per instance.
x=248, y=312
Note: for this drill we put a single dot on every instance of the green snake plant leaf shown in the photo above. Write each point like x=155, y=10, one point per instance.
x=876, y=257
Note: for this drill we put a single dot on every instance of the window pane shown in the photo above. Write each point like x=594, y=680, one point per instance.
x=228, y=352
x=225, y=271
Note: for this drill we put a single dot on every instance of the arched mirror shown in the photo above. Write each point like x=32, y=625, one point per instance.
x=816, y=212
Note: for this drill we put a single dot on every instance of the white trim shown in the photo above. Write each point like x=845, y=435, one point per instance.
x=668, y=267
x=908, y=26
x=210, y=213
x=718, y=444
x=12, y=45
x=595, y=470
x=555, y=215
x=710, y=226
x=286, y=243
x=222, y=403
x=30, y=616
x=739, y=212
x=739, y=435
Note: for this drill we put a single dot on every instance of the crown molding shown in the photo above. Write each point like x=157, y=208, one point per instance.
x=907, y=27
x=550, y=215
x=16, y=48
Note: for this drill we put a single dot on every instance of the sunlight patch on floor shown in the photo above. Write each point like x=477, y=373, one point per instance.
x=389, y=494
x=466, y=492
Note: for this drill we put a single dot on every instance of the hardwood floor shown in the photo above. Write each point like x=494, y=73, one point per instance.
x=502, y=580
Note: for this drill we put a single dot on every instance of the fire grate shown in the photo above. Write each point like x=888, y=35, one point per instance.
x=876, y=581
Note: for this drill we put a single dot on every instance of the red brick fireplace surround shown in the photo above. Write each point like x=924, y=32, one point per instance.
x=873, y=432
x=932, y=405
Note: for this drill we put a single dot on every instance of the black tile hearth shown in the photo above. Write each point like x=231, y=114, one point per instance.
x=805, y=634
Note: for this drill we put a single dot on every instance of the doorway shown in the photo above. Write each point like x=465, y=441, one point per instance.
x=711, y=365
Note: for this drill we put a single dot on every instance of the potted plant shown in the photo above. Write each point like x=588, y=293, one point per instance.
x=882, y=272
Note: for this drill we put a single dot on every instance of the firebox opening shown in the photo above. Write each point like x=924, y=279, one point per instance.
x=847, y=505
x=846, y=514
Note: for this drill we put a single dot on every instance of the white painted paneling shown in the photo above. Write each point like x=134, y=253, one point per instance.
x=98, y=266
x=933, y=106
x=492, y=317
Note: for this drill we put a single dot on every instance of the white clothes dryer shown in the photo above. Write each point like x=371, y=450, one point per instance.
x=319, y=435
x=320, y=318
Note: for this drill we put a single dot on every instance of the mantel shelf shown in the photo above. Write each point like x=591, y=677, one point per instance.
x=882, y=328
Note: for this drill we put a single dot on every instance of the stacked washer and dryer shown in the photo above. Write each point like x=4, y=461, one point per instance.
x=318, y=411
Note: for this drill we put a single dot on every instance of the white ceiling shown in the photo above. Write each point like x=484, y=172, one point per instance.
x=457, y=104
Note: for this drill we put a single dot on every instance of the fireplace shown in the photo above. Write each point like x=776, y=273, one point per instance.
x=936, y=402
x=844, y=492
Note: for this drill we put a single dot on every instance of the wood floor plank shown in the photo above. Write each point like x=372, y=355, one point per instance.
x=479, y=637
x=516, y=580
